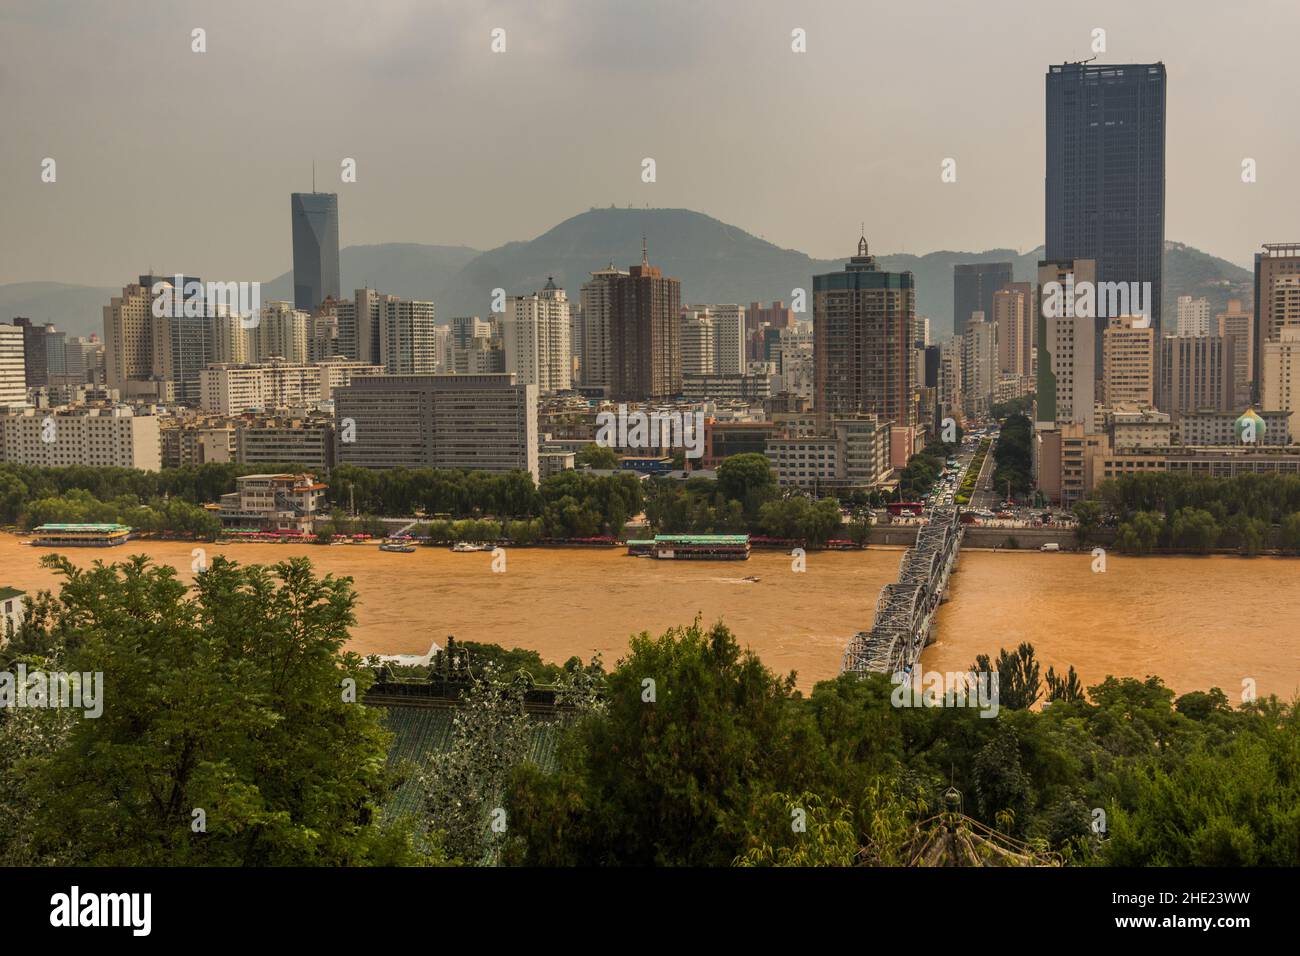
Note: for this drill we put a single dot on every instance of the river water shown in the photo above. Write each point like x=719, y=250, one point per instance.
x=1196, y=622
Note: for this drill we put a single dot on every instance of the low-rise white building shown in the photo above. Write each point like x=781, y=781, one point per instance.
x=272, y=503
x=855, y=454
x=113, y=437
x=13, y=603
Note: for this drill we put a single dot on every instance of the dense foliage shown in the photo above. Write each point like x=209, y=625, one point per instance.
x=702, y=756
x=1013, y=457
x=1197, y=514
x=232, y=731
x=1016, y=406
x=745, y=498
x=923, y=470
x=167, y=500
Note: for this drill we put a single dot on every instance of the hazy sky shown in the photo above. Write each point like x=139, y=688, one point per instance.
x=183, y=161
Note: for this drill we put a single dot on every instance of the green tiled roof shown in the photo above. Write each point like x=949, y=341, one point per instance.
x=83, y=527
x=421, y=732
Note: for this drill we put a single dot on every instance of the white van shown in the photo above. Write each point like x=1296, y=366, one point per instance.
x=1050, y=546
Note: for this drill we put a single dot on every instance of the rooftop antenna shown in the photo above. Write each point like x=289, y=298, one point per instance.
x=645, y=255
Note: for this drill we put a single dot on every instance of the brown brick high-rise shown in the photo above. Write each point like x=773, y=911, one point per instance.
x=645, y=335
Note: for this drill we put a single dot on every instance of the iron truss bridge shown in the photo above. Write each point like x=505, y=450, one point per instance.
x=905, y=609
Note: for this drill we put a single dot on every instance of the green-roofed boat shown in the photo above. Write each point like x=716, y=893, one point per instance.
x=81, y=535
x=693, y=547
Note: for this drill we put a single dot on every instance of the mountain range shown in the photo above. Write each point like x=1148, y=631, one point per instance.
x=715, y=262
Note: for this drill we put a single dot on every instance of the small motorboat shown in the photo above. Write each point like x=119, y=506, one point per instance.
x=400, y=547
x=752, y=579
x=462, y=547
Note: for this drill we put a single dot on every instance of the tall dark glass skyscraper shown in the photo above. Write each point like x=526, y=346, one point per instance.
x=972, y=290
x=315, y=248
x=1106, y=173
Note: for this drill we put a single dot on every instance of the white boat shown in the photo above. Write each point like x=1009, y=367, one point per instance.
x=461, y=547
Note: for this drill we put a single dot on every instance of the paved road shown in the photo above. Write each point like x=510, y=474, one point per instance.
x=985, y=496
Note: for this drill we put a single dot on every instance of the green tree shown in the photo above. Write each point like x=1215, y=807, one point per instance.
x=747, y=478
x=1291, y=533
x=859, y=530
x=695, y=733
x=1141, y=535
x=1018, y=684
x=1194, y=529
x=1067, y=688
x=232, y=731
x=596, y=456
x=1087, y=513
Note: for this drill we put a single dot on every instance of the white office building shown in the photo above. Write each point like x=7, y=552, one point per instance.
x=13, y=372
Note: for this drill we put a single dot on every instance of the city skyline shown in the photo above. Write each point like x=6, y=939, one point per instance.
x=87, y=225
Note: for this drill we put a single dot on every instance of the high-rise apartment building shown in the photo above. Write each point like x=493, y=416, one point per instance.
x=484, y=356
x=84, y=360
x=645, y=334
x=951, y=399
x=697, y=342
x=407, y=336
x=466, y=328
x=231, y=337
x=1128, y=360
x=323, y=332
x=759, y=318
x=186, y=334
x=1194, y=316
x=138, y=344
x=862, y=320
x=795, y=363
x=1067, y=353
x=1105, y=184
x=13, y=372
x=476, y=422
x=1238, y=324
x=1276, y=307
x=729, y=356
x=597, y=298
x=973, y=286
x=979, y=364
x=315, y=249
x=280, y=333
x=36, y=369
x=1282, y=375
x=535, y=335
x=1013, y=314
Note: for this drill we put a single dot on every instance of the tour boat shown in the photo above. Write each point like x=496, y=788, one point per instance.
x=401, y=547
x=460, y=547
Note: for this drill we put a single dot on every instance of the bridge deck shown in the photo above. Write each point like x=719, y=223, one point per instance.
x=905, y=609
